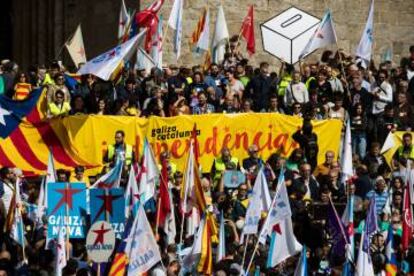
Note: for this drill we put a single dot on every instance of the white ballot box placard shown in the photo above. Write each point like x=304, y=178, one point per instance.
x=286, y=35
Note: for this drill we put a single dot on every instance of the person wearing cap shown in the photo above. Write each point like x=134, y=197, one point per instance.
x=379, y=193
x=79, y=176
x=222, y=163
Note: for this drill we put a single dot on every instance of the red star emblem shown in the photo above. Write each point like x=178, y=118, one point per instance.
x=107, y=204
x=350, y=229
x=112, y=54
x=67, y=197
x=277, y=229
x=100, y=234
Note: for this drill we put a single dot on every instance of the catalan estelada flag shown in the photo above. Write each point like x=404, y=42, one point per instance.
x=195, y=37
x=26, y=137
x=205, y=265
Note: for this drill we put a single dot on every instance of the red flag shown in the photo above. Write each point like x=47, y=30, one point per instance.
x=247, y=31
x=196, y=145
x=163, y=206
x=148, y=19
x=407, y=225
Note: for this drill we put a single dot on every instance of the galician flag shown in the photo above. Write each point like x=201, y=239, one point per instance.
x=149, y=174
x=302, y=267
x=324, y=35
x=364, y=50
x=131, y=194
x=76, y=48
x=17, y=230
x=259, y=202
x=221, y=36
x=176, y=23
x=105, y=64
x=141, y=248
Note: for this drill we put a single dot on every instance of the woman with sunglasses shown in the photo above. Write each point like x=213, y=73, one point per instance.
x=58, y=85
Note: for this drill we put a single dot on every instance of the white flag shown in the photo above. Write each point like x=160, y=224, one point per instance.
x=144, y=61
x=175, y=22
x=141, y=247
x=17, y=231
x=203, y=43
x=279, y=210
x=364, y=50
x=131, y=193
x=222, y=240
x=364, y=263
x=124, y=20
x=60, y=252
x=221, y=36
x=283, y=244
x=259, y=202
x=149, y=174
x=346, y=158
x=323, y=36
x=195, y=251
x=49, y=178
x=105, y=64
x=76, y=48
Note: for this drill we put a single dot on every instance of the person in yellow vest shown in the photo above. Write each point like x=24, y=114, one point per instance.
x=119, y=150
x=79, y=176
x=59, y=107
x=172, y=167
x=22, y=88
x=222, y=163
x=406, y=150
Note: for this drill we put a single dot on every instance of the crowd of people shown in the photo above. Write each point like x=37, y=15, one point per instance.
x=376, y=100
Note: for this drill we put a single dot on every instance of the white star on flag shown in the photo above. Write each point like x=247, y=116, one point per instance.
x=4, y=112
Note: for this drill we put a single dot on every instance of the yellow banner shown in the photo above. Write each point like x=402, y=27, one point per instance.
x=83, y=140
x=270, y=132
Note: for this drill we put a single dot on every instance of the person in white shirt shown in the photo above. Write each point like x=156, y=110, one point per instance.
x=296, y=91
x=382, y=92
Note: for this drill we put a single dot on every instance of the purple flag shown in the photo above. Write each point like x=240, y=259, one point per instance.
x=337, y=231
x=371, y=225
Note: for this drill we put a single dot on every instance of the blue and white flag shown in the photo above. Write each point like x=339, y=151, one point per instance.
x=259, y=202
x=112, y=178
x=364, y=264
x=149, y=174
x=302, y=267
x=175, y=22
x=131, y=194
x=105, y=64
x=364, y=50
x=141, y=248
x=279, y=209
x=222, y=240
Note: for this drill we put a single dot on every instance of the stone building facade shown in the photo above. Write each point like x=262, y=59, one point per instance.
x=40, y=27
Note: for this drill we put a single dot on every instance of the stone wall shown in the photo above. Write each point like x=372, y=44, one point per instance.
x=40, y=27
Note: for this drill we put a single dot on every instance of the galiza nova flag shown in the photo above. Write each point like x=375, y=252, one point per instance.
x=76, y=48
x=323, y=36
x=221, y=36
x=364, y=50
x=105, y=64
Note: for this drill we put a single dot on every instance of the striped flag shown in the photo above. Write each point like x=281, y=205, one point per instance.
x=302, y=267
x=120, y=261
x=200, y=37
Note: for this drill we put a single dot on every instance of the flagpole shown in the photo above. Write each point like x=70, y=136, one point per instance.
x=20, y=216
x=252, y=258
x=64, y=44
x=244, y=253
